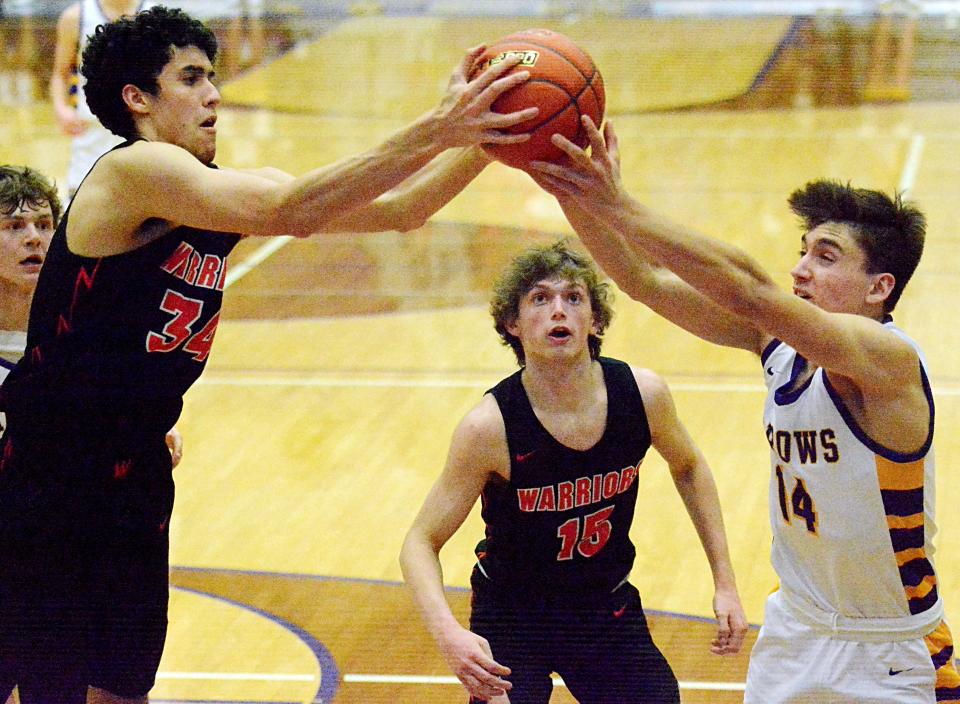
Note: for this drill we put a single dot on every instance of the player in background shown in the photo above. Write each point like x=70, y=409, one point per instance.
x=554, y=452
x=89, y=139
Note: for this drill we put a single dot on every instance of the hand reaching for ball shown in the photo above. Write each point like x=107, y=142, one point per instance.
x=464, y=117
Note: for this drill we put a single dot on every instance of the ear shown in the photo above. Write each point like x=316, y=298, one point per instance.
x=513, y=328
x=881, y=288
x=135, y=99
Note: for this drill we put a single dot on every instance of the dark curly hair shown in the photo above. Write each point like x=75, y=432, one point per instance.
x=21, y=185
x=548, y=262
x=134, y=50
x=890, y=231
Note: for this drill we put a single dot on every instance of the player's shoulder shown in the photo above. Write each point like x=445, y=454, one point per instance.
x=483, y=424
x=648, y=381
x=144, y=158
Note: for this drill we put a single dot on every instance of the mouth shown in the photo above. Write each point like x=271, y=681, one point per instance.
x=32, y=263
x=560, y=333
x=210, y=123
x=802, y=294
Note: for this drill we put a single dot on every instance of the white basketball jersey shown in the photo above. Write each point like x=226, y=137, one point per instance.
x=852, y=521
x=91, y=16
x=87, y=147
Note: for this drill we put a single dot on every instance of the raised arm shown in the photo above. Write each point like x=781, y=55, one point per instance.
x=64, y=57
x=163, y=181
x=478, y=451
x=659, y=288
x=408, y=206
x=694, y=482
x=859, y=349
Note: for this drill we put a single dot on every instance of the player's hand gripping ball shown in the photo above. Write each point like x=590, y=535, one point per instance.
x=564, y=83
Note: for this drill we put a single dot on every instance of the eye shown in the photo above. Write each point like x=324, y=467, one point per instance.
x=538, y=297
x=575, y=297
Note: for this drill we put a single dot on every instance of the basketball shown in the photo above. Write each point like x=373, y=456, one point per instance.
x=564, y=83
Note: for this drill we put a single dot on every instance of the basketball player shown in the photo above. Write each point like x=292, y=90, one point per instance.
x=29, y=212
x=555, y=451
x=849, y=419
x=90, y=138
x=122, y=323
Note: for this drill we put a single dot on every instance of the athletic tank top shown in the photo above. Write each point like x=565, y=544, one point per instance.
x=853, y=521
x=130, y=331
x=562, y=522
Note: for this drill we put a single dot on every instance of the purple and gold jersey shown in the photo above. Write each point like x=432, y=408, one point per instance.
x=852, y=521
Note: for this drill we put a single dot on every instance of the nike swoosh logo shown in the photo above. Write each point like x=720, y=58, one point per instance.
x=524, y=457
x=770, y=371
x=619, y=612
x=893, y=672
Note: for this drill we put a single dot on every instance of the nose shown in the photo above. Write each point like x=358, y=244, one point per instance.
x=557, y=308
x=800, y=272
x=213, y=95
x=31, y=235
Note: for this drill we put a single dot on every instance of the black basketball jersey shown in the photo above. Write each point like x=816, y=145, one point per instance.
x=562, y=521
x=130, y=330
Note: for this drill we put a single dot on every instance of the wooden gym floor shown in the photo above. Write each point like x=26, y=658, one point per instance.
x=344, y=363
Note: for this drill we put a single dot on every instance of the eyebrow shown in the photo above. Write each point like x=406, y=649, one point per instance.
x=195, y=70
x=823, y=241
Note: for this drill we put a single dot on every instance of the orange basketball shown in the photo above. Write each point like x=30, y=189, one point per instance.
x=564, y=83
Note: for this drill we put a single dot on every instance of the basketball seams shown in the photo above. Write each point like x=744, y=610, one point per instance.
x=559, y=81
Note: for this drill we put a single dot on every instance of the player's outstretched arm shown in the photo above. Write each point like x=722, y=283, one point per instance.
x=633, y=269
x=161, y=181
x=694, y=482
x=64, y=56
x=409, y=205
x=851, y=346
x=478, y=448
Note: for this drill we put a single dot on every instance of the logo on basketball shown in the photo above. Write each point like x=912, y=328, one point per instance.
x=527, y=58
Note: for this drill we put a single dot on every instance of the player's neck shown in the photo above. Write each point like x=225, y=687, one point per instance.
x=562, y=384
x=14, y=308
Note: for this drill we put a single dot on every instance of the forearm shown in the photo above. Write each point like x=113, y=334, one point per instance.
x=699, y=494
x=722, y=272
x=423, y=574
x=656, y=287
x=409, y=205
x=310, y=203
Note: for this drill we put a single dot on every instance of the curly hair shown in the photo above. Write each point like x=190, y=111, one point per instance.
x=21, y=185
x=134, y=50
x=890, y=232
x=548, y=262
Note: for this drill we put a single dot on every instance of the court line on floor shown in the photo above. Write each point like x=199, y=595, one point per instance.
x=354, y=379
x=430, y=679
x=263, y=252
x=908, y=177
x=237, y=676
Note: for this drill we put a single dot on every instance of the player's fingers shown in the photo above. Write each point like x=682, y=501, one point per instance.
x=723, y=627
x=496, y=88
x=467, y=64
x=494, y=137
x=593, y=136
x=496, y=120
x=493, y=72
x=576, y=154
x=613, y=144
